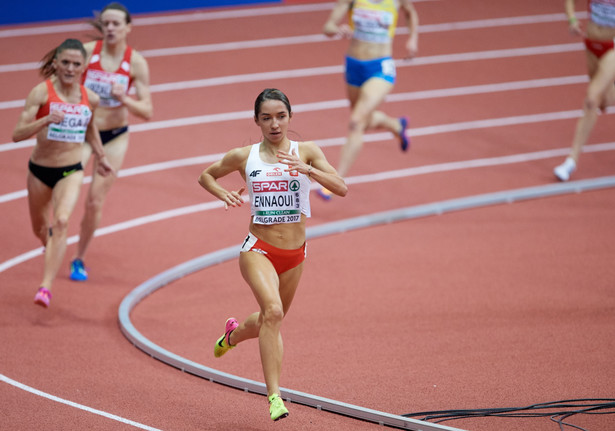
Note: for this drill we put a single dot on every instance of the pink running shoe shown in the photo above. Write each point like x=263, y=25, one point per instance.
x=42, y=297
x=223, y=344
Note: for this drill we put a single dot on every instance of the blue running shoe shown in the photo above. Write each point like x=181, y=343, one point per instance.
x=77, y=271
x=404, y=141
x=324, y=194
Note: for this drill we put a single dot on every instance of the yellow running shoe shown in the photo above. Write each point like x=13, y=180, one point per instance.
x=277, y=410
x=223, y=344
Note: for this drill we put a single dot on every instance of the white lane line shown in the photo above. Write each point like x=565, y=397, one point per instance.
x=312, y=38
x=137, y=170
x=373, y=137
x=343, y=103
x=73, y=404
x=379, y=176
x=191, y=16
x=165, y=19
x=338, y=69
x=476, y=163
x=296, y=40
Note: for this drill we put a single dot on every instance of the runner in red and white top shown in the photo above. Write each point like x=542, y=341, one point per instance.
x=101, y=81
x=59, y=112
x=114, y=70
x=76, y=119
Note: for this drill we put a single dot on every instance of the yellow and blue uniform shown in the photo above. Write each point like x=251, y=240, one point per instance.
x=372, y=21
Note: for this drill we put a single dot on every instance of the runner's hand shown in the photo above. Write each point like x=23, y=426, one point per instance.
x=104, y=168
x=412, y=48
x=293, y=162
x=574, y=26
x=118, y=91
x=233, y=198
x=55, y=117
x=337, y=31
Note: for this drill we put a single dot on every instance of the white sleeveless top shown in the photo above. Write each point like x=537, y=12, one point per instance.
x=276, y=196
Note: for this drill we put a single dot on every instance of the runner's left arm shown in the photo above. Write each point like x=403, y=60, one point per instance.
x=412, y=19
x=142, y=105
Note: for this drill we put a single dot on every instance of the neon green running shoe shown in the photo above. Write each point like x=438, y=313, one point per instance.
x=223, y=344
x=277, y=410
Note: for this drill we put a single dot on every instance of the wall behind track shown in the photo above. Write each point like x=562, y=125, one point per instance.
x=20, y=12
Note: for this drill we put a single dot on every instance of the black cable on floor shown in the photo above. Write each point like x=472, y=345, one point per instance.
x=557, y=411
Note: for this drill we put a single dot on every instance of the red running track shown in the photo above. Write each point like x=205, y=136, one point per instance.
x=491, y=307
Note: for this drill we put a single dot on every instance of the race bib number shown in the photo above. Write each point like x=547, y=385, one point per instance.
x=372, y=19
x=372, y=25
x=388, y=67
x=277, y=216
x=101, y=83
x=74, y=125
